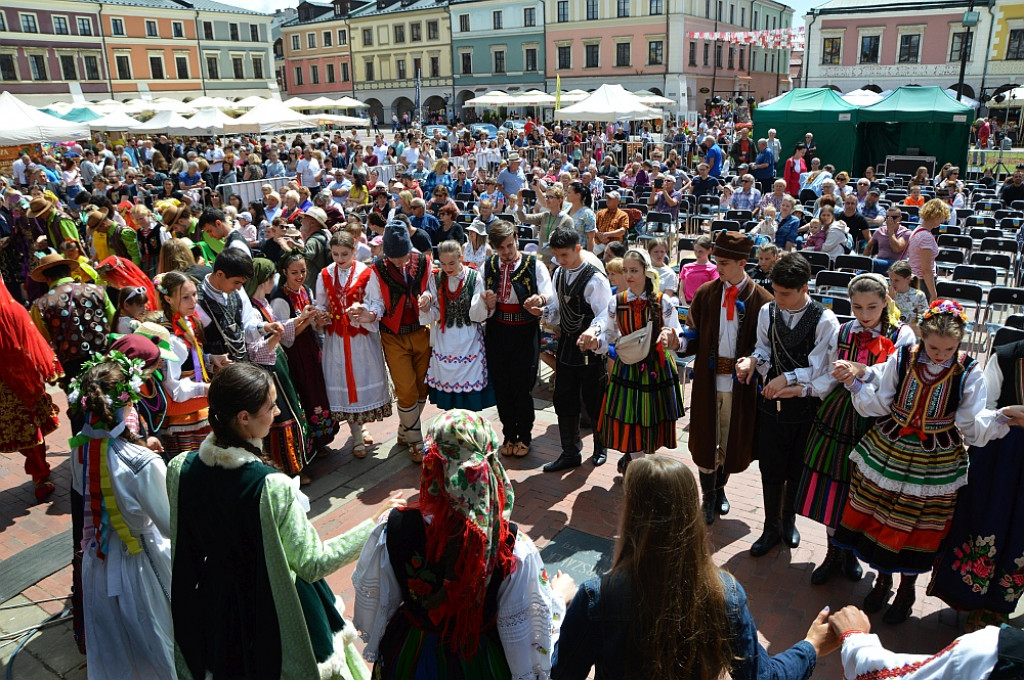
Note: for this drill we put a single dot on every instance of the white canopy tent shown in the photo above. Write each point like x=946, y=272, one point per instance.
x=533, y=98
x=321, y=103
x=118, y=120
x=24, y=124
x=272, y=115
x=573, y=96
x=1013, y=99
x=297, y=103
x=205, y=102
x=341, y=121
x=609, y=103
x=652, y=99
x=210, y=121
x=168, y=122
x=249, y=102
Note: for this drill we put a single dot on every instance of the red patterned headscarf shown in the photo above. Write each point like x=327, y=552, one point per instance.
x=27, y=362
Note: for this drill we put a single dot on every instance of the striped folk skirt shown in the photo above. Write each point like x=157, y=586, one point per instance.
x=178, y=439
x=409, y=651
x=902, y=497
x=641, y=406
x=825, y=481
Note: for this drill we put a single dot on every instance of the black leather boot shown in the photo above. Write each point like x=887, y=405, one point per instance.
x=723, y=506
x=829, y=567
x=600, y=454
x=903, y=603
x=568, y=432
x=851, y=566
x=789, y=533
x=707, y=487
x=772, y=534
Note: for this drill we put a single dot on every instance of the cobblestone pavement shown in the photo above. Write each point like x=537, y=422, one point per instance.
x=346, y=491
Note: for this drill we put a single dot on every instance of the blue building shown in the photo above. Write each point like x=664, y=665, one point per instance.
x=496, y=44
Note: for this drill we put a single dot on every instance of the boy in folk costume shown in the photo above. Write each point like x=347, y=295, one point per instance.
x=392, y=298
x=583, y=294
x=724, y=315
x=796, y=336
x=518, y=286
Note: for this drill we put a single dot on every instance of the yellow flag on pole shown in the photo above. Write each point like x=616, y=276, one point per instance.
x=558, y=92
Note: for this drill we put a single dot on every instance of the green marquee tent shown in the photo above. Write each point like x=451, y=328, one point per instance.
x=914, y=117
x=820, y=111
x=79, y=114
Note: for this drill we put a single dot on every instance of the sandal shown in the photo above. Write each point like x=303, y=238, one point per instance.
x=521, y=450
x=507, y=448
x=416, y=453
x=43, y=490
x=359, y=450
x=367, y=438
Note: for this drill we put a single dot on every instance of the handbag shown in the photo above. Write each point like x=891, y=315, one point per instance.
x=635, y=347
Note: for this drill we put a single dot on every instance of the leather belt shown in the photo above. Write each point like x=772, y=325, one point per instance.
x=725, y=366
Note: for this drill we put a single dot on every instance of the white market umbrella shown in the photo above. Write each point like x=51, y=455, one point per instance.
x=168, y=104
x=534, y=98
x=652, y=99
x=205, y=102
x=492, y=98
x=118, y=120
x=297, y=103
x=25, y=124
x=608, y=103
x=321, y=102
x=271, y=115
x=1014, y=99
x=209, y=121
x=169, y=122
x=341, y=121
x=350, y=103
x=573, y=96
x=249, y=102
x=858, y=97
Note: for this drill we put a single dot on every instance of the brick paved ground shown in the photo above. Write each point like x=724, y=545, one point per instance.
x=346, y=491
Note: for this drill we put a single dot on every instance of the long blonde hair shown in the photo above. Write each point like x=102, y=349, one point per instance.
x=680, y=624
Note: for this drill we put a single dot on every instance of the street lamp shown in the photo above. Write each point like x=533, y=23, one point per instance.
x=969, y=21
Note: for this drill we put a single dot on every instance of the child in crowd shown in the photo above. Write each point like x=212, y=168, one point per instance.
x=643, y=402
x=815, y=235
x=904, y=290
x=657, y=248
x=454, y=307
x=131, y=305
x=874, y=334
x=764, y=231
x=929, y=399
x=353, y=361
x=761, y=273
x=695, y=274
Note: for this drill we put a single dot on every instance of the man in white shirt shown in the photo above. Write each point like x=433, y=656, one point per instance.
x=380, y=149
x=411, y=154
x=215, y=157
x=308, y=169
x=339, y=187
x=19, y=167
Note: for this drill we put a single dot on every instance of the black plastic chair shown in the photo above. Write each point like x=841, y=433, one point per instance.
x=839, y=305
x=854, y=263
x=832, y=282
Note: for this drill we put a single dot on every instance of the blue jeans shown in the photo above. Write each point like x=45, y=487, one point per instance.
x=882, y=266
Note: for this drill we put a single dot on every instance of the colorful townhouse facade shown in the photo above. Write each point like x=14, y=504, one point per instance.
x=855, y=44
x=317, y=50
x=59, y=50
x=497, y=44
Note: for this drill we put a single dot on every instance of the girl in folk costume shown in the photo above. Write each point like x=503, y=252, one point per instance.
x=304, y=356
x=126, y=568
x=249, y=597
x=286, y=442
x=353, y=361
x=27, y=363
x=451, y=588
x=981, y=567
x=643, y=400
x=457, y=377
x=186, y=380
x=930, y=401
x=869, y=339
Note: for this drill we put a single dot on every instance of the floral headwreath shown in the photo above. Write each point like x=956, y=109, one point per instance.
x=124, y=393
x=946, y=307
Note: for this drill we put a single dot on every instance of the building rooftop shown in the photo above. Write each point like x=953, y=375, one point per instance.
x=397, y=6
x=202, y=5
x=842, y=6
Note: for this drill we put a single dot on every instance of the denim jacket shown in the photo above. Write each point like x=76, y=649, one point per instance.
x=596, y=633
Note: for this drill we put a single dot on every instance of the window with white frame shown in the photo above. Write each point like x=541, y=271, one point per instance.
x=233, y=28
x=401, y=72
x=562, y=11
x=831, y=50
x=593, y=10
x=564, y=55
x=3, y=22
x=870, y=48
x=344, y=71
x=329, y=75
x=177, y=29
x=415, y=32
x=909, y=48
x=529, y=17
x=68, y=68
x=116, y=26
x=367, y=37
x=328, y=39
x=181, y=66
x=369, y=71
x=622, y=54
x=311, y=41
x=463, y=23
x=298, y=75
x=591, y=55
x=466, y=62
x=433, y=30
x=399, y=33
x=314, y=74
x=342, y=37
x=60, y=27
x=213, y=67
x=961, y=42
x=84, y=26
x=497, y=20
x=151, y=29
x=237, y=67
x=123, y=66
x=29, y=23
x=622, y=8
x=254, y=33
x=296, y=43
x=1015, y=45
x=499, y=61
x=530, y=59
x=257, y=68
x=37, y=64
x=92, y=67
x=8, y=70
x=156, y=67
x=208, y=30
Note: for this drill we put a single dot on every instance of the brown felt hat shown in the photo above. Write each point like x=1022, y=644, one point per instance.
x=733, y=245
x=38, y=206
x=47, y=262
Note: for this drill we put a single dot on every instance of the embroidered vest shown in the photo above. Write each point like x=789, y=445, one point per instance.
x=1011, y=363
x=848, y=346
x=115, y=241
x=927, y=406
x=455, y=306
x=524, y=283
x=149, y=249
x=401, y=308
x=225, y=334
x=791, y=347
x=574, y=312
x=340, y=299
x=75, y=316
x=191, y=410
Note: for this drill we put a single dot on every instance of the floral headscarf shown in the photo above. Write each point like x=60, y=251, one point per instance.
x=465, y=490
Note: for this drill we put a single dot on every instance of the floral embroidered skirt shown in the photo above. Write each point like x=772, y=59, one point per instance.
x=982, y=563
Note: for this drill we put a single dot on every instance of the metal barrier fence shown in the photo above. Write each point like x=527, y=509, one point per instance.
x=250, y=191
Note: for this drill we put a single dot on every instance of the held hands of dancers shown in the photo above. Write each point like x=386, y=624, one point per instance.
x=534, y=304
x=1015, y=415
x=849, y=619
x=424, y=301
x=668, y=339
x=779, y=388
x=821, y=636
x=359, y=313
x=745, y=369
x=589, y=340
x=848, y=371
x=490, y=299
